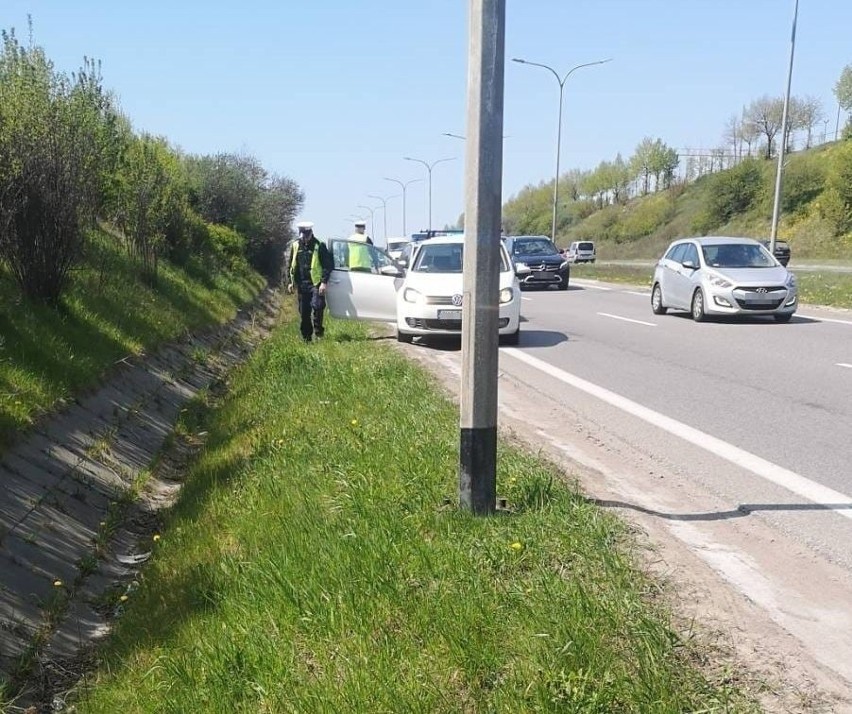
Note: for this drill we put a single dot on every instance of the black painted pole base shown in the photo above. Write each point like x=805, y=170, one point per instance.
x=478, y=470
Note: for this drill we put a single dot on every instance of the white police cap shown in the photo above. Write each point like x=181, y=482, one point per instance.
x=305, y=226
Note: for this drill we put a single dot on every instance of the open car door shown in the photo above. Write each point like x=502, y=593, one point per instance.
x=362, y=293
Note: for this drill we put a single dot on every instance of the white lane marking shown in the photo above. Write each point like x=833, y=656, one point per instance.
x=526, y=298
x=843, y=364
x=801, y=486
x=825, y=319
x=628, y=319
x=636, y=292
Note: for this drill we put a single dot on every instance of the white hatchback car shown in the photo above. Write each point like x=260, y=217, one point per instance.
x=426, y=299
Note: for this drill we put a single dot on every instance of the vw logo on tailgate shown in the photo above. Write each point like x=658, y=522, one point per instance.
x=457, y=300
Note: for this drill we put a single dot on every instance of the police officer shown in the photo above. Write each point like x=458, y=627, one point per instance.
x=310, y=267
x=360, y=257
x=360, y=233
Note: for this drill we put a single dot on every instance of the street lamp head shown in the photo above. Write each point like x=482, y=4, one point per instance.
x=518, y=59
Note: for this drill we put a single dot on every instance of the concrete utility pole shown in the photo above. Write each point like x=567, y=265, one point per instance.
x=776, y=207
x=483, y=207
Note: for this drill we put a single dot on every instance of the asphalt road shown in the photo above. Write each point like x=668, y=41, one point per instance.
x=732, y=437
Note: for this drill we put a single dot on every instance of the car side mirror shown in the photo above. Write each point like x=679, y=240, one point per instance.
x=391, y=270
x=689, y=264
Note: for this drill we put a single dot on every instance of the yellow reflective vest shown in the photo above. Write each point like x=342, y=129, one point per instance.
x=359, y=255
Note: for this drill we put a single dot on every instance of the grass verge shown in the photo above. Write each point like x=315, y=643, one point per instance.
x=828, y=288
x=49, y=353
x=316, y=562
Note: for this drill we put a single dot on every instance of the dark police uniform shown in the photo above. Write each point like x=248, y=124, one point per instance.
x=310, y=266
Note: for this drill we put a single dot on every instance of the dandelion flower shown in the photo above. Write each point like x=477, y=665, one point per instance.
x=354, y=422
x=156, y=537
x=516, y=546
x=123, y=598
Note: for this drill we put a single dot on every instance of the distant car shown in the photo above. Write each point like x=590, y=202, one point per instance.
x=424, y=300
x=538, y=261
x=782, y=250
x=722, y=276
x=581, y=251
x=396, y=245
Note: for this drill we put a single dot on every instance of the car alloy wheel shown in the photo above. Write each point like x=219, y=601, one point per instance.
x=698, y=313
x=657, y=301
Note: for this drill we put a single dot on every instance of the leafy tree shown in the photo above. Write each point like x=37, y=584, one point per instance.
x=843, y=88
x=151, y=197
x=642, y=163
x=764, y=115
x=57, y=147
x=529, y=212
x=664, y=162
x=807, y=113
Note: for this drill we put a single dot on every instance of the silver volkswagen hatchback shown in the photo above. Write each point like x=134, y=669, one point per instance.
x=723, y=276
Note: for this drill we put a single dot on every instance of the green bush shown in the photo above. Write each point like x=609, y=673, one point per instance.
x=804, y=180
x=836, y=201
x=732, y=192
x=646, y=216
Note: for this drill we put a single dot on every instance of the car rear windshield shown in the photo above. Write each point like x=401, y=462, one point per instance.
x=446, y=258
x=585, y=246
x=533, y=246
x=737, y=255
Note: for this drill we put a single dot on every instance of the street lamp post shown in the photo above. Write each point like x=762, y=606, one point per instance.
x=559, y=127
x=429, y=168
x=403, y=186
x=385, y=210
x=372, y=217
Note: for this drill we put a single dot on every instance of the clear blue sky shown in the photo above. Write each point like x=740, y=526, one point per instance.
x=334, y=93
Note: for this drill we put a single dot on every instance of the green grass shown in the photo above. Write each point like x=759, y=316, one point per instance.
x=833, y=289
x=316, y=562
x=50, y=353
x=633, y=275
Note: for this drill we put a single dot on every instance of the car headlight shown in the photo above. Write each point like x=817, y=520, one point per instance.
x=506, y=295
x=718, y=281
x=791, y=280
x=522, y=268
x=411, y=295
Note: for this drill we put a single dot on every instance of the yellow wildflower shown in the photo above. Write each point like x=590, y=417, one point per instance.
x=516, y=546
x=156, y=537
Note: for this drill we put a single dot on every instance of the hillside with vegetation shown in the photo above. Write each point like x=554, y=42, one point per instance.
x=633, y=208
x=113, y=241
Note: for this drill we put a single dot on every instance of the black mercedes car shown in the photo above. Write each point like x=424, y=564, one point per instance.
x=538, y=262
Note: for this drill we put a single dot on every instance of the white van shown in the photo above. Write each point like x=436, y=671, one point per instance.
x=396, y=245
x=581, y=251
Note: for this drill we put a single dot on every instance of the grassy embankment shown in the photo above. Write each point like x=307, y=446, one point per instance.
x=316, y=562
x=643, y=227
x=48, y=354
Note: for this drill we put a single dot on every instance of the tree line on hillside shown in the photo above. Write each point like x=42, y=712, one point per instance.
x=70, y=161
x=749, y=137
